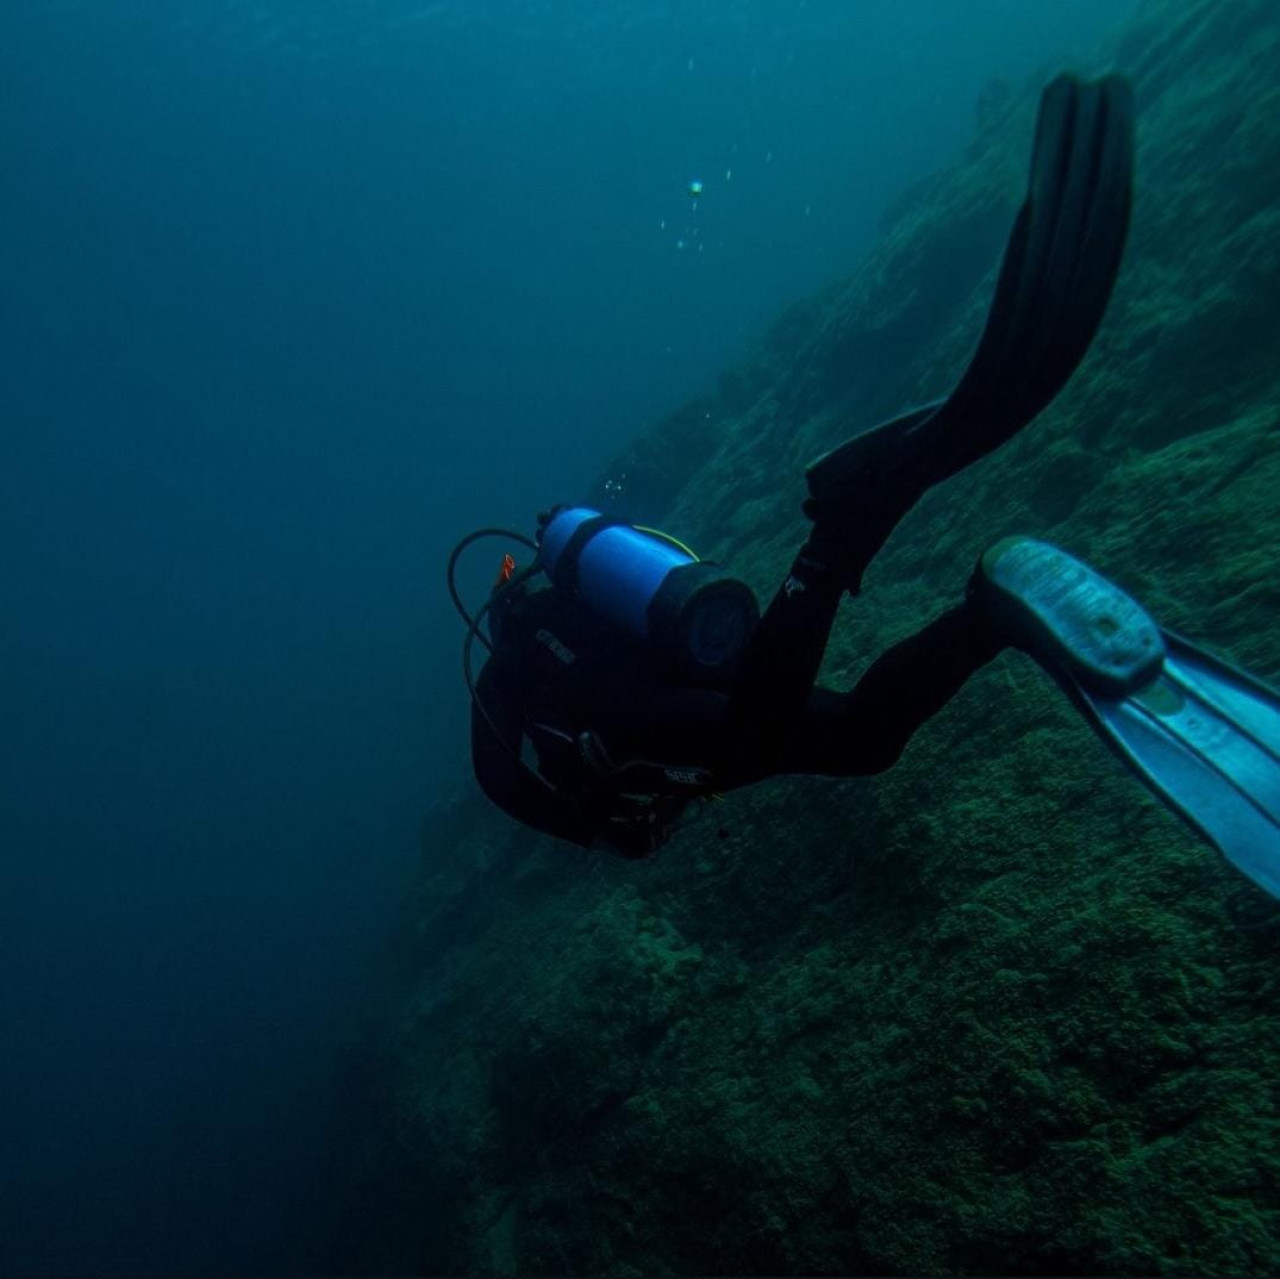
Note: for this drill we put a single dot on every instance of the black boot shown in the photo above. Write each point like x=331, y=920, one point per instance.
x=859, y=491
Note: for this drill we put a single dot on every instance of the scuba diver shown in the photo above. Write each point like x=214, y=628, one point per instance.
x=638, y=679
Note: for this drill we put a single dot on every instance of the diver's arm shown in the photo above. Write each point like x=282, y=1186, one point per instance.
x=501, y=776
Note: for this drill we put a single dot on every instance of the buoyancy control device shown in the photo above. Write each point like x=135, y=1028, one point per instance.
x=646, y=582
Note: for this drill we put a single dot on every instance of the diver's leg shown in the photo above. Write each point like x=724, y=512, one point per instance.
x=775, y=677
x=734, y=732
x=775, y=721
x=865, y=730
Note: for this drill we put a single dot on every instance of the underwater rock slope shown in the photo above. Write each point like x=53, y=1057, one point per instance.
x=995, y=1010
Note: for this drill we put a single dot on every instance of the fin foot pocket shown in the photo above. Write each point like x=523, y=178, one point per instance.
x=1068, y=616
x=1203, y=735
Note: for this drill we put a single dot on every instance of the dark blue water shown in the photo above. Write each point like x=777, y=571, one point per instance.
x=292, y=294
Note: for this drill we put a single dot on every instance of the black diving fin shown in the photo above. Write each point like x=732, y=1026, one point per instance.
x=1056, y=277
x=1203, y=735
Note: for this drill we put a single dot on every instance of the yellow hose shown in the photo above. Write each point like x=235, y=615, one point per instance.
x=665, y=537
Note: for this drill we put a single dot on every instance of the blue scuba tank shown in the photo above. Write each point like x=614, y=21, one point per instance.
x=693, y=613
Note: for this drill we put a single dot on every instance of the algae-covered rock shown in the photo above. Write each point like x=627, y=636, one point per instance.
x=996, y=1010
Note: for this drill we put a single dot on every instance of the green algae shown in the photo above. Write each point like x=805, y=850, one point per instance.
x=995, y=1011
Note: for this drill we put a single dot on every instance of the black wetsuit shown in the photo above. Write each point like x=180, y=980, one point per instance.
x=558, y=673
